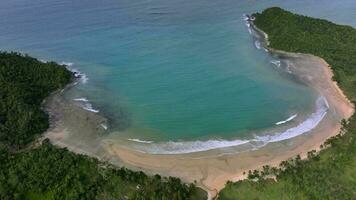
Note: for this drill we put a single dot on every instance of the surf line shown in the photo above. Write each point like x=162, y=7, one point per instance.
x=183, y=147
x=86, y=105
x=287, y=120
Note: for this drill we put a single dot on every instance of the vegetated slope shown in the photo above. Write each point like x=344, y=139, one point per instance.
x=332, y=173
x=336, y=44
x=24, y=83
x=49, y=172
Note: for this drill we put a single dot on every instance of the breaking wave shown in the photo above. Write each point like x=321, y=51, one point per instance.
x=77, y=74
x=86, y=105
x=140, y=141
x=104, y=126
x=287, y=120
x=81, y=99
x=257, y=44
x=182, y=147
x=172, y=147
x=310, y=123
x=276, y=63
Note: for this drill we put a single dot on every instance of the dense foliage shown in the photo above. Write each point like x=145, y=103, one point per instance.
x=331, y=174
x=24, y=83
x=49, y=172
x=295, y=33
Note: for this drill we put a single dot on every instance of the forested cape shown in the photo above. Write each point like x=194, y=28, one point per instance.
x=49, y=172
x=25, y=82
x=330, y=174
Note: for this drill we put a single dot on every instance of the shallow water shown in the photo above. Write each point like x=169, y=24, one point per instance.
x=168, y=71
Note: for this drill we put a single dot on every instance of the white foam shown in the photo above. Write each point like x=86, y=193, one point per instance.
x=182, y=147
x=276, y=62
x=77, y=74
x=257, y=44
x=89, y=107
x=86, y=104
x=288, y=68
x=247, y=23
x=309, y=124
x=173, y=147
x=245, y=17
x=248, y=17
x=140, y=141
x=287, y=120
x=81, y=99
x=69, y=64
x=105, y=127
x=326, y=102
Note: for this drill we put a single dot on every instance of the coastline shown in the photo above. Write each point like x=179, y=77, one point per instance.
x=210, y=169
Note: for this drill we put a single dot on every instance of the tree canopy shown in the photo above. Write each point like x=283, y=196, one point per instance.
x=25, y=82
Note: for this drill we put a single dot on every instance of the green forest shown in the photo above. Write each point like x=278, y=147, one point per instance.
x=25, y=82
x=330, y=174
x=49, y=172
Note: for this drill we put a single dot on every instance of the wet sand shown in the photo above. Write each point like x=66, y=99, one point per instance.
x=81, y=132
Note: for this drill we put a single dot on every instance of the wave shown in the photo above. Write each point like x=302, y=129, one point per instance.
x=247, y=23
x=81, y=99
x=140, y=141
x=257, y=44
x=256, y=36
x=172, y=147
x=310, y=123
x=182, y=147
x=245, y=17
x=77, y=74
x=90, y=108
x=276, y=62
x=250, y=31
x=288, y=68
x=105, y=127
x=86, y=105
x=287, y=120
x=69, y=64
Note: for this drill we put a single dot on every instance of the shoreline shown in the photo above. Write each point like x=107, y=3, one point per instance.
x=211, y=169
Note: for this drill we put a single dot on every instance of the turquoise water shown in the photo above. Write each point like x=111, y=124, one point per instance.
x=164, y=70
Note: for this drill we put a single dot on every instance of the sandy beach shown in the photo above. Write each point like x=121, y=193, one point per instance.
x=72, y=126
x=211, y=170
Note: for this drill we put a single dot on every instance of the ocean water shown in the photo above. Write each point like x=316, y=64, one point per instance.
x=170, y=73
